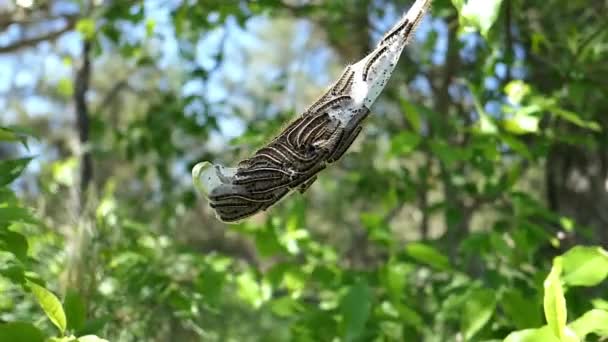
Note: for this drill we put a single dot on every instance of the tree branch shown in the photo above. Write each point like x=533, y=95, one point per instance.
x=28, y=42
x=111, y=95
x=6, y=21
x=81, y=86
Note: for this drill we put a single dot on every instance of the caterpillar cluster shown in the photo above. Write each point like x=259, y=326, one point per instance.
x=292, y=160
x=317, y=138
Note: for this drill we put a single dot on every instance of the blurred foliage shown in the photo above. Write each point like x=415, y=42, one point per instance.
x=472, y=209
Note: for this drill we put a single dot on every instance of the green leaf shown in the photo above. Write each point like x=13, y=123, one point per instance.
x=267, y=242
x=210, y=284
x=594, y=321
x=14, y=133
x=92, y=326
x=575, y=119
x=516, y=145
x=554, y=301
x=516, y=91
x=543, y=334
x=285, y=307
x=14, y=243
x=478, y=15
x=585, y=266
x=599, y=303
x=86, y=27
x=75, y=310
x=20, y=332
x=251, y=291
x=150, y=26
x=50, y=304
x=486, y=124
x=458, y=4
x=355, y=308
x=412, y=114
x=428, y=255
x=64, y=171
x=65, y=87
x=404, y=143
x=91, y=338
x=478, y=309
x=11, y=169
x=395, y=277
x=8, y=135
x=15, y=214
x=449, y=153
x=522, y=123
x=409, y=316
x=378, y=230
x=15, y=273
x=523, y=312
x=7, y=197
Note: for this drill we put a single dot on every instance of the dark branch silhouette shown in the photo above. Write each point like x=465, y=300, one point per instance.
x=81, y=86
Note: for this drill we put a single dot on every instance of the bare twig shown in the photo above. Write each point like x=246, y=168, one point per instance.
x=7, y=21
x=28, y=42
x=111, y=95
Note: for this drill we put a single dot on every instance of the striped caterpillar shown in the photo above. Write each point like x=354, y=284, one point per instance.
x=318, y=137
